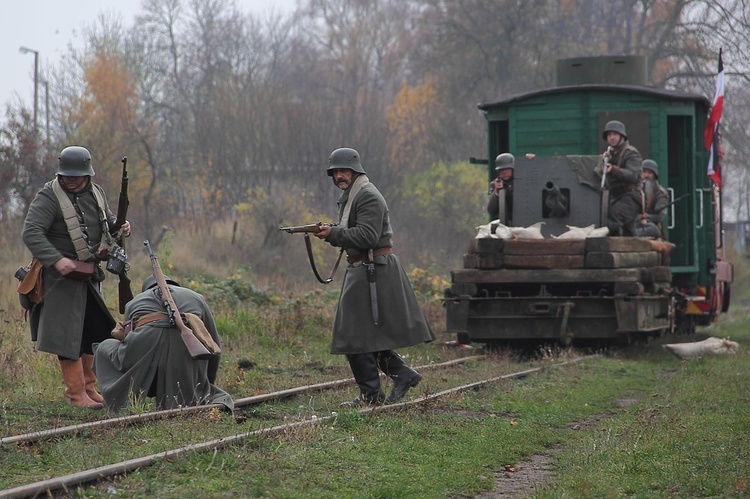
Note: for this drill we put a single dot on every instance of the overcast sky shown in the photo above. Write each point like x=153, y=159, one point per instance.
x=48, y=26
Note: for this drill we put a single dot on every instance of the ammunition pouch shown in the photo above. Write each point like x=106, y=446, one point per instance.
x=31, y=285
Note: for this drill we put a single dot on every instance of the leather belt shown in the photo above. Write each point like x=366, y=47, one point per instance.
x=142, y=321
x=358, y=257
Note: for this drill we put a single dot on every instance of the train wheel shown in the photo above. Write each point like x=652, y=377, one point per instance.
x=726, y=296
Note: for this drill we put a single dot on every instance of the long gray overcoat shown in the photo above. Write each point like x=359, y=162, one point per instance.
x=155, y=356
x=57, y=323
x=401, y=321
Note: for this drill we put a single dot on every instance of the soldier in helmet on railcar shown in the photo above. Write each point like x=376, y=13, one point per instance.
x=67, y=230
x=655, y=203
x=500, y=203
x=621, y=164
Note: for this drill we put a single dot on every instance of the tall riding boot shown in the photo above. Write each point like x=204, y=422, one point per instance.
x=75, y=384
x=90, y=378
x=365, y=371
x=403, y=376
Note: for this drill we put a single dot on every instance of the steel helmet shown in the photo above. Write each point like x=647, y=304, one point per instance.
x=344, y=157
x=150, y=282
x=614, y=126
x=650, y=164
x=505, y=160
x=75, y=161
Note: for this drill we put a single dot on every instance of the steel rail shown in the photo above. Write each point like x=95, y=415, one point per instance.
x=124, y=467
x=154, y=415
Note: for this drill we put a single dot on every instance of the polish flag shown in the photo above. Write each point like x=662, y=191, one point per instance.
x=711, y=134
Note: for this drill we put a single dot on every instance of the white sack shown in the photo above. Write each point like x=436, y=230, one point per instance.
x=697, y=349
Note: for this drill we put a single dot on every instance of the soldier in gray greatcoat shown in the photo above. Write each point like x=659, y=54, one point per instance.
x=72, y=316
x=151, y=360
x=623, y=172
x=373, y=316
x=655, y=203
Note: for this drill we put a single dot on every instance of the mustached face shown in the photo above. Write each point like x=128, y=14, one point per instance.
x=342, y=178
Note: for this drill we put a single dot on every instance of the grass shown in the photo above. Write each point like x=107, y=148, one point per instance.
x=636, y=423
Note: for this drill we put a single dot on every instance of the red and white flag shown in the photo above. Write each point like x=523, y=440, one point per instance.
x=711, y=134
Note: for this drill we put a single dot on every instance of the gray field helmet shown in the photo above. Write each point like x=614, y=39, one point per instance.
x=150, y=282
x=75, y=161
x=344, y=157
x=505, y=160
x=650, y=164
x=614, y=126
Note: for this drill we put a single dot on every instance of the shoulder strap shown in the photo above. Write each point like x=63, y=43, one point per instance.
x=71, y=221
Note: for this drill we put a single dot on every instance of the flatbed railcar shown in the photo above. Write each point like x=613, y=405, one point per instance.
x=609, y=288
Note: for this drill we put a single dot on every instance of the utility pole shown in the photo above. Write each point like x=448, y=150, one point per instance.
x=26, y=50
x=46, y=109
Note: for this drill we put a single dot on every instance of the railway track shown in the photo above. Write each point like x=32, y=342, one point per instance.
x=238, y=403
x=102, y=473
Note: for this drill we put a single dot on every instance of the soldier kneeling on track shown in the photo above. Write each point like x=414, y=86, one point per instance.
x=148, y=358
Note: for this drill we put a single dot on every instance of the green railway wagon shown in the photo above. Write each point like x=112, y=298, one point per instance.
x=555, y=135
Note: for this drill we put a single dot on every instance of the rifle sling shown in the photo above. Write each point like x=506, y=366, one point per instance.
x=310, y=257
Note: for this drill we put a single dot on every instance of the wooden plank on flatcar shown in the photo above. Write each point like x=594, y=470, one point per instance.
x=656, y=274
x=621, y=244
x=487, y=245
x=619, y=260
x=543, y=261
x=544, y=247
x=544, y=276
x=483, y=260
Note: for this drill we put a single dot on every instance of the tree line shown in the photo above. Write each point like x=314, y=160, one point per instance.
x=225, y=115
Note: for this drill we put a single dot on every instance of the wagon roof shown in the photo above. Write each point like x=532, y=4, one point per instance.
x=664, y=94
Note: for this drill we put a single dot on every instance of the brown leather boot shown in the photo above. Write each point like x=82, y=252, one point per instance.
x=75, y=384
x=89, y=378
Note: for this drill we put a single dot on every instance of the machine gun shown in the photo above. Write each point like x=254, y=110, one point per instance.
x=556, y=203
x=195, y=348
x=125, y=294
x=314, y=229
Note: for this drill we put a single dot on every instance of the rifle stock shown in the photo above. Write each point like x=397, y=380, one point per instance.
x=194, y=346
x=309, y=228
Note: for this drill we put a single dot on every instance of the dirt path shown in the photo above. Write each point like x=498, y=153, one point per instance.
x=521, y=480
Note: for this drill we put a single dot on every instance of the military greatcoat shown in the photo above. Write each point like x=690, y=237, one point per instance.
x=57, y=323
x=401, y=321
x=624, y=184
x=153, y=361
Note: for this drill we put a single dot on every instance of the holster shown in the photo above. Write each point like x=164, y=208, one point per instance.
x=32, y=285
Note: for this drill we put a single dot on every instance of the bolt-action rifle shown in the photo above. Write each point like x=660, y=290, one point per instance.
x=125, y=294
x=314, y=229
x=604, y=204
x=307, y=229
x=195, y=348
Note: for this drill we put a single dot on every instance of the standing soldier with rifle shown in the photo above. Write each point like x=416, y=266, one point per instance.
x=68, y=230
x=377, y=310
x=621, y=180
x=168, y=349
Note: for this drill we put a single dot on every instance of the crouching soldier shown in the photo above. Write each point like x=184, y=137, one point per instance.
x=148, y=356
x=655, y=203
